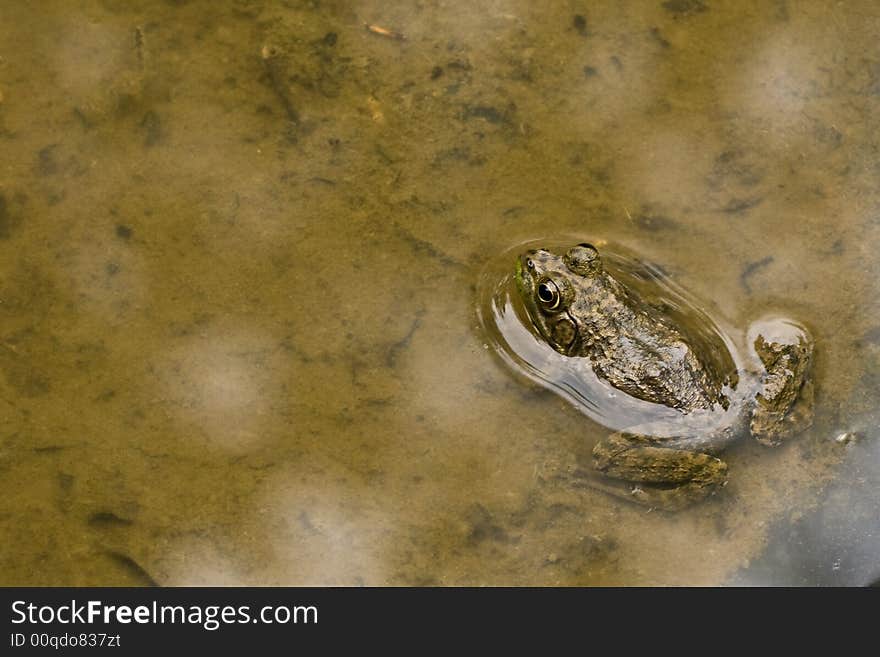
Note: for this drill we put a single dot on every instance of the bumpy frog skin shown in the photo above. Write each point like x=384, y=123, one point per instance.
x=583, y=312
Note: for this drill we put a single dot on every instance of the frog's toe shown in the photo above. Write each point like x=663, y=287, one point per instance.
x=784, y=404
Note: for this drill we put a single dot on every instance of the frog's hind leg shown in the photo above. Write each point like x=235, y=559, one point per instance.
x=654, y=475
x=784, y=404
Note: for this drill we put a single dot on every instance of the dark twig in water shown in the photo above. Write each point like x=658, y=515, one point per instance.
x=271, y=56
x=107, y=519
x=750, y=269
x=423, y=247
x=736, y=205
x=132, y=567
x=395, y=348
x=139, y=46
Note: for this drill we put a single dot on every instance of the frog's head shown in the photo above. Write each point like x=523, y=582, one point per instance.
x=549, y=284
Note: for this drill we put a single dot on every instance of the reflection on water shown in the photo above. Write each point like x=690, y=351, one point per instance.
x=239, y=248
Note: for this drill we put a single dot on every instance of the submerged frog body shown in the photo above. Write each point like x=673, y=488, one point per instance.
x=595, y=321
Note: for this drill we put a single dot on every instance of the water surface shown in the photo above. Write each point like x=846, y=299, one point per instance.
x=239, y=250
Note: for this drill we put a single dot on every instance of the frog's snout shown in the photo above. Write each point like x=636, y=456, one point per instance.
x=525, y=264
x=528, y=260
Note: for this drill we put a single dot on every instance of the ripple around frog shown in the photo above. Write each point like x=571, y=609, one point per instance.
x=510, y=334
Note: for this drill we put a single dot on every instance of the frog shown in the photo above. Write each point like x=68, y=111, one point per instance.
x=597, y=322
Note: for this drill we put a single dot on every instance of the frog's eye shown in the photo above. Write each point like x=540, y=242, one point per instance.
x=548, y=295
x=530, y=264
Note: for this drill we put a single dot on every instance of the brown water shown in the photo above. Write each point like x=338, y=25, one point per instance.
x=239, y=248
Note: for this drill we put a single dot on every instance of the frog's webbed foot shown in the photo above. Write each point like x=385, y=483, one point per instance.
x=784, y=405
x=653, y=475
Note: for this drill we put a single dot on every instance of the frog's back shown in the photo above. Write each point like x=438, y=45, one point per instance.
x=632, y=346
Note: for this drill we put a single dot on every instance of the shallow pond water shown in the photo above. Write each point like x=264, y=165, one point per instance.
x=239, y=256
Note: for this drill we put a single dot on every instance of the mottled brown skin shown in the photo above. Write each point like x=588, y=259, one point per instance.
x=785, y=403
x=583, y=312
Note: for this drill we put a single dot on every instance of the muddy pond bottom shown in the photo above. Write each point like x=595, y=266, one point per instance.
x=243, y=247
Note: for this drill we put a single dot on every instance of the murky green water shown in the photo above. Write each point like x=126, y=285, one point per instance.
x=239, y=248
